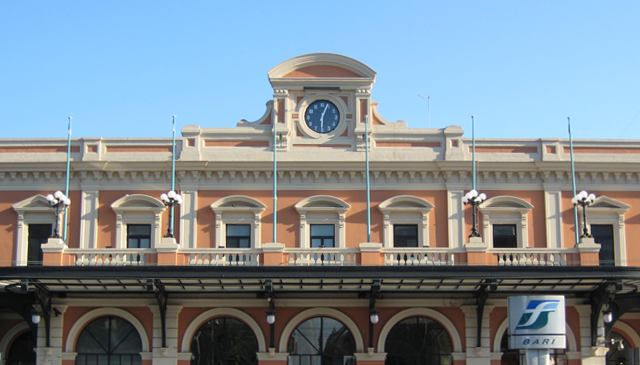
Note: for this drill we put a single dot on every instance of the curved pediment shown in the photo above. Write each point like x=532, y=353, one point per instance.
x=137, y=201
x=239, y=202
x=322, y=65
x=322, y=201
x=405, y=202
x=506, y=201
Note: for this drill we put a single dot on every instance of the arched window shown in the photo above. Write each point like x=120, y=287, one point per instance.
x=321, y=340
x=619, y=352
x=224, y=340
x=505, y=221
x=322, y=221
x=21, y=350
x=418, y=341
x=109, y=340
x=517, y=357
x=238, y=220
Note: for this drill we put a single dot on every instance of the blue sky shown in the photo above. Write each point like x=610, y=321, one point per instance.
x=123, y=68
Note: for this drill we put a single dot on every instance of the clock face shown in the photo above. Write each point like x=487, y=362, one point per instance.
x=322, y=116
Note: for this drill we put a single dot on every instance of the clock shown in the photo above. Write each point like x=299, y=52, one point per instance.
x=322, y=116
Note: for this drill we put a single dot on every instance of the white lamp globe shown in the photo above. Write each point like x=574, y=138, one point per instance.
x=164, y=197
x=58, y=194
x=271, y=318
x=171, y=194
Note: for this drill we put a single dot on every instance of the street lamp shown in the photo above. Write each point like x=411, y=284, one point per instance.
x=57, y=201
x=171, y=199
x=584, y=199
x=475, y=199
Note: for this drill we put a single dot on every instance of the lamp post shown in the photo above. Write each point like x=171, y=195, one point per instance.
x=57, y=201
x=584, y=199
x=475, y=199
x=171, y=199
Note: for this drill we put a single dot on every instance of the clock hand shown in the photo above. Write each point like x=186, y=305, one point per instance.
x=322, y=116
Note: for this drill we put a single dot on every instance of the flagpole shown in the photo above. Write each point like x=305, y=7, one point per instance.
x=173, y=171
x=275, y=182
x=66, y=188
x=366, y=143
x=573, y=184
x=473, y=152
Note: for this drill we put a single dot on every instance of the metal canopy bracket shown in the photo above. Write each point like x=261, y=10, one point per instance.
x=161, y=298
x=482, y=294
x=598, y=298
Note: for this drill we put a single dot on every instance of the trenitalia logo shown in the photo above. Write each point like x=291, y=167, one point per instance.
x=536, y=315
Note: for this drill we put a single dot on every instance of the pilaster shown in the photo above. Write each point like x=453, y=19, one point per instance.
x=477, y=355
x=456, y=215
x=165, y=355
x=89, y=217
x=189, y=216
x=51, y=355
x=591, y=355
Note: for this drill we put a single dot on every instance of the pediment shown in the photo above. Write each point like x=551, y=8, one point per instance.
x=604, y=202
x=322, y=201
x=36, y=202
x=133, y=201
x=406, y=202
x=238, y=202
x=506, y=202
x=322, y=65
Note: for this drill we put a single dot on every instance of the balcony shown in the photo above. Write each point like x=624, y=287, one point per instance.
x=323, y=257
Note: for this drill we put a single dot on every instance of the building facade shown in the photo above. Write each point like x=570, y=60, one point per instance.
x=320, y=233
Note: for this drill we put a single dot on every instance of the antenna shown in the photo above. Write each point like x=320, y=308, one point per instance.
x=428, y=107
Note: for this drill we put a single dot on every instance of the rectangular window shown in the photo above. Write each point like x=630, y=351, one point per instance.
x=38, y=234
x=504, y=236
x=603, y=234
x=323, y=235
x=138, y=236
x=405, y=235
x=238, y=236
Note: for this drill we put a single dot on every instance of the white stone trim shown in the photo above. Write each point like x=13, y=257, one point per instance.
x=421, y=312
x=90, y=316
x=33, y=210
x=137, y=209
x=243, y=210
x=456, y=217
x=631, y=334
x=222, y=312
x=405, y=209
x=320, y=312
x=553, y=216
x=322, y=209
x=189, y=218
x=506, y=210
x=606, y=210
x=10, y=335
x=89, y=205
